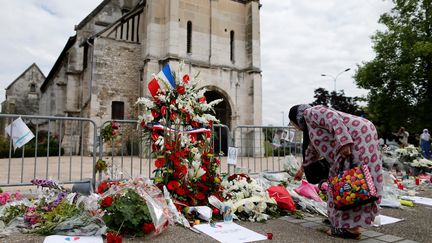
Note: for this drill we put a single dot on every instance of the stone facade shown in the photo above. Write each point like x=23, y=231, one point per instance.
x=120, y=45
x=23, y=95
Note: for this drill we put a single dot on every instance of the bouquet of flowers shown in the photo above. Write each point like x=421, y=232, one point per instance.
x=178, y=121
x=422, y=163
x=133, y=207
x=408, y=154
x=250, y=201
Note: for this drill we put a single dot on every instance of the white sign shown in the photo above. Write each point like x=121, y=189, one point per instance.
x=383, y=220
x=419, y=200
x=19, y=132
x=73, y=239
x=232, y=155
x=229, y=232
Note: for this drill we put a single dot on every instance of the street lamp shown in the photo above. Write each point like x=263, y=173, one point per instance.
x=335, y=77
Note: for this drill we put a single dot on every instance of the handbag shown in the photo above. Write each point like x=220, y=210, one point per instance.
x=317, y=171
x=352, y=187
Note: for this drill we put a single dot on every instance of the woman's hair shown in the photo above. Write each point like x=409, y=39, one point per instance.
x=296, y=116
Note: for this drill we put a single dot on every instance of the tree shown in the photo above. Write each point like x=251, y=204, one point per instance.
x=400, y=76
x=337, y=100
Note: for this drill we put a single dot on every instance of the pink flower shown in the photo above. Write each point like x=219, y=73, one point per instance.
x=18, y=195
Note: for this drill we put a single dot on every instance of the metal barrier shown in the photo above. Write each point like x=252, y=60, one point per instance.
x=128, y=154
x=63, y=149
x=263, y=148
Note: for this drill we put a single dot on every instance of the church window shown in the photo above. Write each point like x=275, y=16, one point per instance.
x=32, y=87
x=189, y=37
x=117, y=110
x=232, y=45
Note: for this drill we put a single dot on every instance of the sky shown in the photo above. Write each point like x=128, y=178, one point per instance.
x=300, y=40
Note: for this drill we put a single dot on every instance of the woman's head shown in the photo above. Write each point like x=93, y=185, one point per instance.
x=296, y=115
x=425, y=131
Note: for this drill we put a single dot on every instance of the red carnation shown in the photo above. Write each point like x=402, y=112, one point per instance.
x=216, y=211
x=181, y=191
x=183, y=169
x=187, y=118
x=172, y=185
x=173, y=116
x=155, y=114
x=160, y=162
x=200, y=196
x=173, y=101
x=202, y=99
x=143, y=124
x=155, y=136
x=163, y=110
x=148, y=227
x=106, y=202
x=186, y=78
x=102, y=187
x=194, y=124
x=181, y=89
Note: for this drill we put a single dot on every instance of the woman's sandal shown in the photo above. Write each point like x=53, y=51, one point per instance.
x=343, y=233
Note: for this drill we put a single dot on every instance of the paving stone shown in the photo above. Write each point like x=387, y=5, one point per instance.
x=370, y=233
x=407, y=241
x=310, y=225
x=313, y=219
x=294, y=220
x=389, y=238
x=371, y=240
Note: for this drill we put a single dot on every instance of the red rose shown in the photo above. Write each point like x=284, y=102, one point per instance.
x=143, y=124
x=173, y=101
x=107, y=201
x=155, y=114
x=148, y=227
x=186, y=78
x=114, y=125
x=172, y=185
x=163, y=110
x=187, y=118
x=181, y=89
x=180, y=191
x=113, y=237
x=200, y=196
x=202, y=99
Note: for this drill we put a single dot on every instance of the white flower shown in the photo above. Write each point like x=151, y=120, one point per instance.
x=149, y=104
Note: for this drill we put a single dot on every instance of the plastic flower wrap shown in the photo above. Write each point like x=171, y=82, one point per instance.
x=135, y=207
x=249, y=200
x=178, y=121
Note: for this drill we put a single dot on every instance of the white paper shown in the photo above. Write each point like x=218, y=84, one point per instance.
x=19, y=132
x=383, y=220
x=73, y=239
x=419, y=200
x=232, y=155
x=288, y=135
x=230, y=232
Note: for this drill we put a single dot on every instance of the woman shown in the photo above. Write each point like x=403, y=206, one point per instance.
x=403, y=137
x=425, y=143
x=336, y=135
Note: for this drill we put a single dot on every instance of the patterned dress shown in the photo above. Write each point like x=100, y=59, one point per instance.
x=329, y=130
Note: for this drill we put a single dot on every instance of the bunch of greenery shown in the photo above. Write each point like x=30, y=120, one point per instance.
x=127, y=213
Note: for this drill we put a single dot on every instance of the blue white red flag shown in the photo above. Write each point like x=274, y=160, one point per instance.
x=164, y=80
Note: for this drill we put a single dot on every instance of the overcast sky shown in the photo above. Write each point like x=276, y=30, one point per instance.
x=300, y=40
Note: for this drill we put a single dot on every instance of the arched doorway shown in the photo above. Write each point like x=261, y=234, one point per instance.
x=223, y=113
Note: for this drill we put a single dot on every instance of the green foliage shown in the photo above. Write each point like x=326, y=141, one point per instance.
x=12, y=212
x=400, y=76
x=337, y=100
x=51, y=219
x=128, y=212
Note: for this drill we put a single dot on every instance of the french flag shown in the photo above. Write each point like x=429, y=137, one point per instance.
x=163, y=80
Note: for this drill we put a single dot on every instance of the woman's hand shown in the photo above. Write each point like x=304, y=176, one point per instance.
x=299, y=175
x=345, y=151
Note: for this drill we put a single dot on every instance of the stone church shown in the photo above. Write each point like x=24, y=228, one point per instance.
x=108, y=63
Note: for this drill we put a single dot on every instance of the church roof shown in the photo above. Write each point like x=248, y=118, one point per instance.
x=57, y=64
x=92, y=14
x=28, y=69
